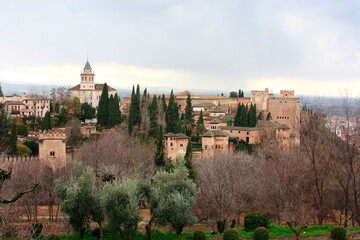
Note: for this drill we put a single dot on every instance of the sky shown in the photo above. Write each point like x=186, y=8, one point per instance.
x=310, y=46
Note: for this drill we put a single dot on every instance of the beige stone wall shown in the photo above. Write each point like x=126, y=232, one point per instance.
x=213, y=145
x=249, y=136
x=175, y=147
x=286, y=111
x=260, y=98
x=52, y=148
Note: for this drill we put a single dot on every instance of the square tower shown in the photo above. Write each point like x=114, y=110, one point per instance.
x=87, y=78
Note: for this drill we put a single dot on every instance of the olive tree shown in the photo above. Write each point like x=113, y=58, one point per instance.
x=121, y=205
x=81, y=199
x=172, y=196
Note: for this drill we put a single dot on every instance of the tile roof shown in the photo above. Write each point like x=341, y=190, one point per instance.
x=215, y=133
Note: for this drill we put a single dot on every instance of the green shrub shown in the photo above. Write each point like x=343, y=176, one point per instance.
x=338, y=233
x=231, y=234
x=52, y=237
x=255, y=220
x=261, y=233
x=36, y=229
x=199, y=235
x=220, y=226
x=22, y=130
x=233, y=223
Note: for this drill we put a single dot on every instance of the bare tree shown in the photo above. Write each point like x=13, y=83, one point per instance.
x=224, y=182
x=115, y=154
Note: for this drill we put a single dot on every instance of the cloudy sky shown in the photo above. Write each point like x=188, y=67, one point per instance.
x=310, y=46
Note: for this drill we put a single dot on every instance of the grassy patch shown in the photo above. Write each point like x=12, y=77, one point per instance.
x=275, y=231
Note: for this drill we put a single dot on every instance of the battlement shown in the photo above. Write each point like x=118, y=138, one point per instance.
x=9, y=161
x=52, y=134
x=284, y=98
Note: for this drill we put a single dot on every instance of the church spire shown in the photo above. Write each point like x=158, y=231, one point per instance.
x=87, y=65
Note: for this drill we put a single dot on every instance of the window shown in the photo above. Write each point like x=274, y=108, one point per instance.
x=52, y=154
x=247, y=133
x=171, y=144
x=181, y=144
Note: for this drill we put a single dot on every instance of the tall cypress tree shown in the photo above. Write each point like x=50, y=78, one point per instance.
x=13, y=140
x=1, y=92
x=131, y=112
x=103, y=108
x=172, y=114
x=244, y=116
x=159, y=156
x=189, y=114
x=268, y=117
x=137, y=117
x=237, y=116
x=4, y=130
x=46, y=122
x=117, y=109
x=153, y=118
x=163, y=102
x=188, y=160
x=113, y=113
x=252, y=119
x=200, y=126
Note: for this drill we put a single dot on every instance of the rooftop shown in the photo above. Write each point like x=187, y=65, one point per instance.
x=215, y=133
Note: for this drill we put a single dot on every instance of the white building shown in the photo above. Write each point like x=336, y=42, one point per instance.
x=89, y=91
x=24, y=106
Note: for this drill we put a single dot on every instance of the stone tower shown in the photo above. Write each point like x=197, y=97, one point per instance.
x=87, y=78
x=52, y=148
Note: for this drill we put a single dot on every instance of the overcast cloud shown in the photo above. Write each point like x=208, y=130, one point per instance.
x=310, y=46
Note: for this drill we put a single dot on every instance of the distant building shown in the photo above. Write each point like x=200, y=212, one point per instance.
x=24, y=106
x=89, y=91
x=52, y=148
x=175, y=145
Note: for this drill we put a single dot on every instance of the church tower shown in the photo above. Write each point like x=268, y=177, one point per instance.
x=87, y=78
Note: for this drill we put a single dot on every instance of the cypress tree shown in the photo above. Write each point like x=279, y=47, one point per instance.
x=268, y=118
x=200, y=126
x=179, y=126
x=159, y=153
x=243, y=116
x=117, y=109
x=115, y=114
x=172, y=114
x=1, y=92
x=13, y=140
x=46, y=122
x=163, y=102
x=153, y=118
x=131, y=112
x=252, y=119
x=137, y=117
x=188, y=160
x=103, y=108
x=237, y=116
x=144, y=97
x=4, y=130
x=189, y=114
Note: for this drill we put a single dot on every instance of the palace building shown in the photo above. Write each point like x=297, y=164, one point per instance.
x=89, y=91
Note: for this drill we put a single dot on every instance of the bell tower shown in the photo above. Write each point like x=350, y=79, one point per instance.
x=87, y=78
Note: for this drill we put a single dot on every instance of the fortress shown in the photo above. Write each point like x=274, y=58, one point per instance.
x=283, y=114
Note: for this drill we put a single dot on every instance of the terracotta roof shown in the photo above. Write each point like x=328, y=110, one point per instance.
x=215, y=121
x=215, y=133
x=204, y=105
x=218, y=109
x=283, y=126
x=241, y=128
x=178, y=135
x=14, y=103
x=98, y=87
